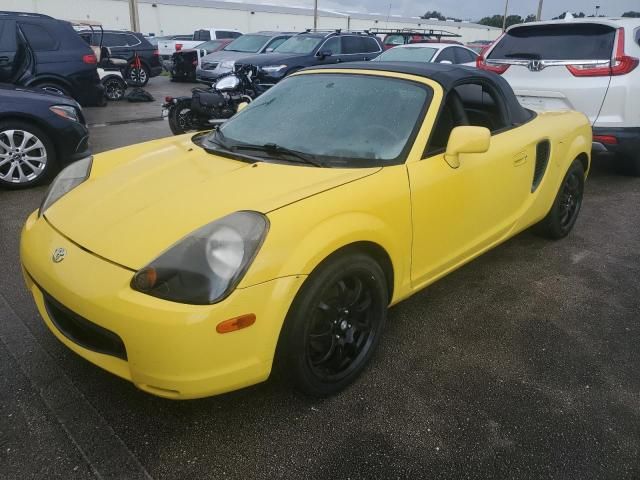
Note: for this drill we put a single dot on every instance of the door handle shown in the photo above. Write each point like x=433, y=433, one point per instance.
x=520, y=159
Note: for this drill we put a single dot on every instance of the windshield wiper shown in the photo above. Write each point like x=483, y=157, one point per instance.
x=218, y=141
x=277, y=149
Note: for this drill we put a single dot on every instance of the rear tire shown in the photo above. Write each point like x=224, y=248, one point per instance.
x=138, y=77
x=27, y=155
x=181, y=118
x=566, y=206
x=334, y=325
x=114, y=88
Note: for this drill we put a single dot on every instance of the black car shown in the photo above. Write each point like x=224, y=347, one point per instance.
x=312, y=48
x=40, y=51
x=40, y=132
x=126, y=45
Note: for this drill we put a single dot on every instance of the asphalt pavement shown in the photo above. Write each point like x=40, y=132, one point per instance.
x=522, y=364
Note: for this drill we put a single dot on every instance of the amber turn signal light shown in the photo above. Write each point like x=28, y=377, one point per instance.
x=237, y=323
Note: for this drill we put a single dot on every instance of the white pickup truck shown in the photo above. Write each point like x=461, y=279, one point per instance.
x=167, y=47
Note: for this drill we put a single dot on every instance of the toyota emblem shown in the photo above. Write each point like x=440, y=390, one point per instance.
x=58, y=254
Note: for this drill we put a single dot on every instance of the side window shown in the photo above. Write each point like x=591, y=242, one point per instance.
x=446, y=55
x=352, y=44
x=333, y=45
x=370, y=45
x=113, y=40
x=86, y=37
x=482, y=106
x=7, y=37
x=132, y=40
x=226, y=34
x=463, y=56
x=202, y=35
x=276, y=42
x=394, y=40
x=38, y=37
x=469, y=104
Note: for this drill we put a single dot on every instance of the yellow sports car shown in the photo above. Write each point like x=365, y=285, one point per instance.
x=191, y=265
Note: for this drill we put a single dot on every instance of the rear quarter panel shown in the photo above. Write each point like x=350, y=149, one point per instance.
x=570, y=135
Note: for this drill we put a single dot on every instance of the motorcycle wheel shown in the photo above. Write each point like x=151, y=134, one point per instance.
x=181, y=118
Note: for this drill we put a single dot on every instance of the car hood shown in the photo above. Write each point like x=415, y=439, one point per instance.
x=140, y=200
x=14, y=94
x=225, y=55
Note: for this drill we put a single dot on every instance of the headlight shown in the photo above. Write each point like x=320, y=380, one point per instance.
x=67, y=180
x=65, y=111
x=205, y=266
x=227, y=64
x=273, y=68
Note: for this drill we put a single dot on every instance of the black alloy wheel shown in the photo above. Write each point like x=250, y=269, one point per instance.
x=335, y=323
x=566, y=206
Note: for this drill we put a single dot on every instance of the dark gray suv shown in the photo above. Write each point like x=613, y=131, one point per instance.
x=223, y=61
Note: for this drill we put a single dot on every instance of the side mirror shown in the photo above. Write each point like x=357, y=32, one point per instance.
x=269, y=50
x=446, y=62
x=466, y=140
x=242, y=106
x=324, y=54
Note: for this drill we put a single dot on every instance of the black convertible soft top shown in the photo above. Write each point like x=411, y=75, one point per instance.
x=449, y=77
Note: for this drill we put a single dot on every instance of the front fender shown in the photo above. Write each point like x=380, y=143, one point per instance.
x=375, y=209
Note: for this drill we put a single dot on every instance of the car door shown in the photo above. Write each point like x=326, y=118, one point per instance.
x=273, y=44
x=8, y=51
x=333, y=45
x=460, y=212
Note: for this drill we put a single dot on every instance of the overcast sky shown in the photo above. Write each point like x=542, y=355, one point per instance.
x=468, y=9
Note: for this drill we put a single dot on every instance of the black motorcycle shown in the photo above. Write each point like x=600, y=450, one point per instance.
x=210, y=107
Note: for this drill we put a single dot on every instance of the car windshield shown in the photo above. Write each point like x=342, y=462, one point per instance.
x=247, y=43
x=340, y=120
x=299, y=44
x=211, y=44
x=407, y=54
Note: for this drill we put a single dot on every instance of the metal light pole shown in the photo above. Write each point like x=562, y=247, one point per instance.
x=539, y=16
x=315, y=14
x=133, y=15
x=504, y=20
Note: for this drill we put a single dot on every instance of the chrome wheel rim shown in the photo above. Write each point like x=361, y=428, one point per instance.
x=138, y=75
x=23, y=156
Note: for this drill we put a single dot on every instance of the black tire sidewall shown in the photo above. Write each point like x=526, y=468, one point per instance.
x=51, y=167
x=174, y=111
x=551, y=226
x=293, y=340
x=121, y=83
x=133, y=82
x=57, y=86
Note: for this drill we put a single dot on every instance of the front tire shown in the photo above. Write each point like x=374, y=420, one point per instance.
x=566, y=206
x=334, y=324
x=27, y=155
x=53, y=87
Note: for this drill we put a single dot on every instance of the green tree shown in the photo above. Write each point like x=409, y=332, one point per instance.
x=496, y=20
x=434, y=14
x=530, y=18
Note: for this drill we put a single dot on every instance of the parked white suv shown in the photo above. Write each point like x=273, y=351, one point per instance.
x=168, y=47
x=590, y=65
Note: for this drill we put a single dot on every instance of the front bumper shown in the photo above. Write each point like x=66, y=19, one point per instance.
x=171, y=350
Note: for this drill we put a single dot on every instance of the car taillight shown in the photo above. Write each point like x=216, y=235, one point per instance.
x=605, y=139
x=90, y=58
x=620, y=65
x=156, y=53
x=482, y=64
x=481, y=59
x=178, y=47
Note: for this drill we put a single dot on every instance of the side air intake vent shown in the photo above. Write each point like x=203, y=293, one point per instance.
x=543, y=149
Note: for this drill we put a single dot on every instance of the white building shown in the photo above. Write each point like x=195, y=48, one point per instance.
x=165, y=17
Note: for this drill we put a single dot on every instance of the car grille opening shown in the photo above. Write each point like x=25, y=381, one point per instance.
x=543, y=150
x=83, y=332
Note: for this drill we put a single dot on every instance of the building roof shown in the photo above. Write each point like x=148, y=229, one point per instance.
x=299, y=10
